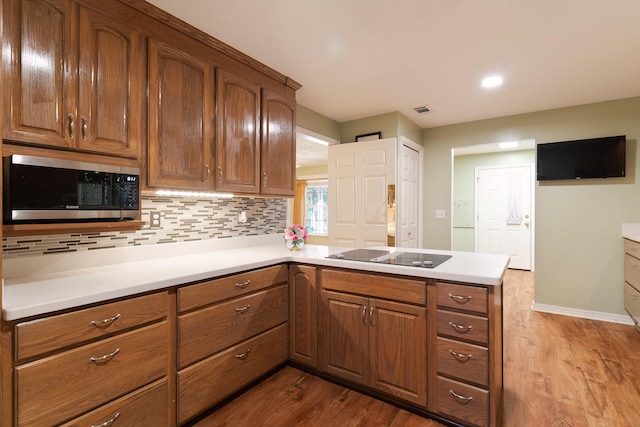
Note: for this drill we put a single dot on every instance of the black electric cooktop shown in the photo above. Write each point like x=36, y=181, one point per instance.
x=411, y=259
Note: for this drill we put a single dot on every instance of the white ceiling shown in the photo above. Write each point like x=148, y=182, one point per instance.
x=358, y=58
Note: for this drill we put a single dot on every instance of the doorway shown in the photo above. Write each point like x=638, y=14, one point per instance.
x=465, y=162
x=504, y=219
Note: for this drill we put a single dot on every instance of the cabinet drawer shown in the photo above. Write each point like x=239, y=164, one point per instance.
x=373, y=285
x=207, y=382
x=60, y=387
x=463, y=402
x=632, y=270
x=144, y=407
x=212, y=291
x=463, y=297
x=465, y=361
x=56, y=332
x=632, y=248
x=632, y=303
x=463, y=326
x=207, y=331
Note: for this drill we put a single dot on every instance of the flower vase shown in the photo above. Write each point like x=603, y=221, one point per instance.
x=295, y=245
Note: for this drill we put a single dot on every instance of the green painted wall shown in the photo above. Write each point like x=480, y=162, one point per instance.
x=578, y=244
x=316, y=122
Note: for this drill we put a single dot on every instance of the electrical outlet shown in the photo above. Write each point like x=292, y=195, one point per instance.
x=440, y=213
x=154, y=219
x=242, y=217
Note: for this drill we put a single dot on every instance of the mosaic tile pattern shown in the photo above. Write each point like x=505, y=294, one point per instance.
x=181, y=220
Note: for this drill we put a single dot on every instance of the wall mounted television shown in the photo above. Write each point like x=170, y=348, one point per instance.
x=581, y=159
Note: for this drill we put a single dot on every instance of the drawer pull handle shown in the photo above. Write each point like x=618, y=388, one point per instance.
x=461, y=328
x=364, y=313
x=461, y=357
x=244, y=355
x=104, y=323
x=104, y=358
x=242, y=310
x=460, y=397
x=108, y=422
x=243, y=285
x=371, y=317
x=460, y=298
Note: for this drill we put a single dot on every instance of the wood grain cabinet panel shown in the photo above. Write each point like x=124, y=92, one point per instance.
x=463, y=402
x=461, y=297
x=207, y=382
x=278, y=148
x=60, y=387
x=112, y=80
x=212, y=291
x=238, y=129
x=463, y=326
x=77, y=78
x=147, y=406
x=181, y=133
x=465, y=361
x=303, y=315
x=57, y=332
x=377, y=343
x=207, y=331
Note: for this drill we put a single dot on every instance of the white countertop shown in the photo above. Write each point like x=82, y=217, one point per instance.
x=34, y=286
x=631, y=231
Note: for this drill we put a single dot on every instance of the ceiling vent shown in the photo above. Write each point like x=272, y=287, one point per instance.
x=422, y=110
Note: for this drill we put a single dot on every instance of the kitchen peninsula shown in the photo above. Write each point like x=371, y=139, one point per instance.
x=148, y=329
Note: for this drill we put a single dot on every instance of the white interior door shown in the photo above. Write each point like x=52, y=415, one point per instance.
x=359, y=176
x=409, y=197
x=503, y=213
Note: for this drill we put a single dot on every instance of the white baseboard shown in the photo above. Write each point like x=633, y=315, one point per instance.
x=585, y=314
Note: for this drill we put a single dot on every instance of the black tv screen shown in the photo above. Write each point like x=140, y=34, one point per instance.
x=581, y=159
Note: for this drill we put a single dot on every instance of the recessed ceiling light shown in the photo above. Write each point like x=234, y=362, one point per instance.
x=492, y=81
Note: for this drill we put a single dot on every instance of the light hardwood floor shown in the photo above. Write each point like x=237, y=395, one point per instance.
x=558, y=371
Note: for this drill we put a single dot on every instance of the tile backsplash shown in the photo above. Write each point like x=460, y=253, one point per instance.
x=181, y=220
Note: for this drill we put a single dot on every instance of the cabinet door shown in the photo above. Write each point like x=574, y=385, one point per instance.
x=181, y=97
x=238, y=130
x=111, y=86
x=345, y=336
x=399, y=350
x=303, y=324
x=41, y=69
x=278, y=144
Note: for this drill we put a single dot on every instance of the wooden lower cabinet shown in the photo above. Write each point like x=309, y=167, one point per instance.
x=144, y=407
x=303, y=315
x=209, y=381
x=463, y=402
x=377, y=343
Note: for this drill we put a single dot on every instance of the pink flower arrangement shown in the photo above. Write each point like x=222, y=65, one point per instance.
x=296, y=234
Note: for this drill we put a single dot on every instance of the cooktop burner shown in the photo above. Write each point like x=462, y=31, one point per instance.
x=412, y=259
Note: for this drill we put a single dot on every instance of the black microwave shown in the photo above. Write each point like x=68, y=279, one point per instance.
x=45, y=190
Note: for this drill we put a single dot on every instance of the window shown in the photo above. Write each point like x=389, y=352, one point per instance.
x=316, y=198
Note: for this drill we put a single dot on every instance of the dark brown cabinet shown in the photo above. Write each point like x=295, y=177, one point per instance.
x=278, y=149
x=77, y=78
x=373, y=341
x=181, y=101
x=238, y=129
x=303, y=315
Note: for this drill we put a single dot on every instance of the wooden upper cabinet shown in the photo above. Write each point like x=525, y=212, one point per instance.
x=40, y=69
x=181, y=95
x=238, y=129
x=278, y=156
x=112, y=85
x=76, y=78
